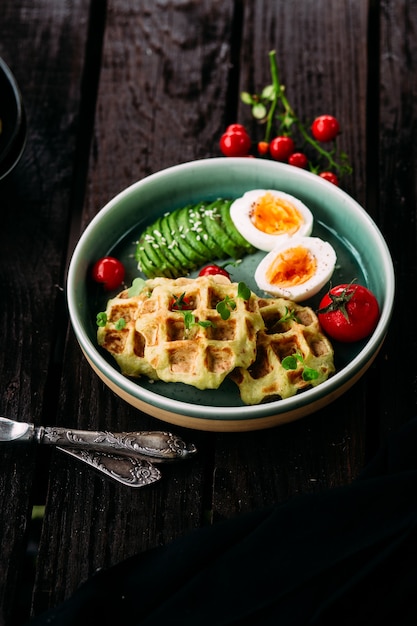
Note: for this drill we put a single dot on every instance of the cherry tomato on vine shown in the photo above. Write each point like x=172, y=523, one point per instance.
x=298, y=159
x=263, y=148
x=235, y=142
x=236, y=128
x=213, y=270
x=182, y=303
x=348, y=312
x=281, y=148
x=325, y=128
x=332, y=178
x=108, y=271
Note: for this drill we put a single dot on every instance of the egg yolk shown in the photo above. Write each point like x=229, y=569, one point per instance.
x=275, y=216
x=291, y=267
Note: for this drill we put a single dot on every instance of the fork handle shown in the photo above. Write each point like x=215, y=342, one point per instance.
x=158, y=445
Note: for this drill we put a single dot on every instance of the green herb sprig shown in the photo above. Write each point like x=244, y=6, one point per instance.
x=226, y=306
x=190, y=321
x=271, y=106
x=291, y=363
x=101, y=319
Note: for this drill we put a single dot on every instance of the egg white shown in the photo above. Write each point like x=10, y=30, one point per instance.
x=240, y=212
x=325, y=257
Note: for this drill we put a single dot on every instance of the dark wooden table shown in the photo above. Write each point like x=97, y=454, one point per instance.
x=116, y=90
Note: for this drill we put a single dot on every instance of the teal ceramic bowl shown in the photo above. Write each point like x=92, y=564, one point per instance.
x=361, y=250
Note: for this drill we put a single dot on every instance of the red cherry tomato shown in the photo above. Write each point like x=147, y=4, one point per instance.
x=298, y=159
x=235, y=143
x=236, y=128
x=325, y=128
x=109, y=271
x=348, y=312
x=213, y=270
x=281, y=148
x=332, y=178
x=182, y=303
x=263, y=148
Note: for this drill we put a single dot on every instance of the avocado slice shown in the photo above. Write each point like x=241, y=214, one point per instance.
x=179, y=231
x=231, y=229
x=144, y=264
x=165, y=249
x=215, y=228
x=150, y=245
x=198, y=237
x=172, y=244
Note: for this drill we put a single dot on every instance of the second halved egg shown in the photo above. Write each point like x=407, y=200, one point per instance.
x=296, y=269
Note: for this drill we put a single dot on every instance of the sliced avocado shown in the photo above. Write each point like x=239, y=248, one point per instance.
x=172, y=244
x=231, y=229
x=215, y=228
x=144, y=265
x=151, y=245
x=203, y=236
x=198, y=237
x=179, y=231
x=165, y=250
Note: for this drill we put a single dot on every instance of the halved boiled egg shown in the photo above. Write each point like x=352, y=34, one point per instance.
x=297, y=268
x=266, y=216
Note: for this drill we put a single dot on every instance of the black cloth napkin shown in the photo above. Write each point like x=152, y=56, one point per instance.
x=346, y=556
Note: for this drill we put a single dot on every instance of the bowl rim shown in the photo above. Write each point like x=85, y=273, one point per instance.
x=247, y=412
x=13, y=149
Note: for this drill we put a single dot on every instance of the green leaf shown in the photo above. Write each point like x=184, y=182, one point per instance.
x=136, y=288
x=120, y=324
x=223, y=310
x=189, y=319
x=243, y=291
x=259, y=111
x=310, y=374
x=101, y=319
x=268, y=92
x=206, y=323
x=289, y=363
x=246, y=98
x=287, y=121
x=288, y=316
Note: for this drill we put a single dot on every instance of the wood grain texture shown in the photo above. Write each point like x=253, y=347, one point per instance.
x=37, y=40
x=116, y=90
x=170, y=62
x=317, y=44
x=396, y=155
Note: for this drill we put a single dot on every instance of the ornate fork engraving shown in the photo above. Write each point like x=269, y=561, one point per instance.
x=128, y=470
x=126, y=456
x=161, y=446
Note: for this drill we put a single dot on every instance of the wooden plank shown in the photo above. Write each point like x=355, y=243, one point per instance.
x=397, y=194
x=161, y=101
x=317, y=44
x=36, y=39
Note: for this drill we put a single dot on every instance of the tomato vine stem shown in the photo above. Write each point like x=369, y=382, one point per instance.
x=273, y=95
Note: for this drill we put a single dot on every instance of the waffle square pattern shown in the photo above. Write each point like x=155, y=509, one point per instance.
x=174, y=330
x=289, y=329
